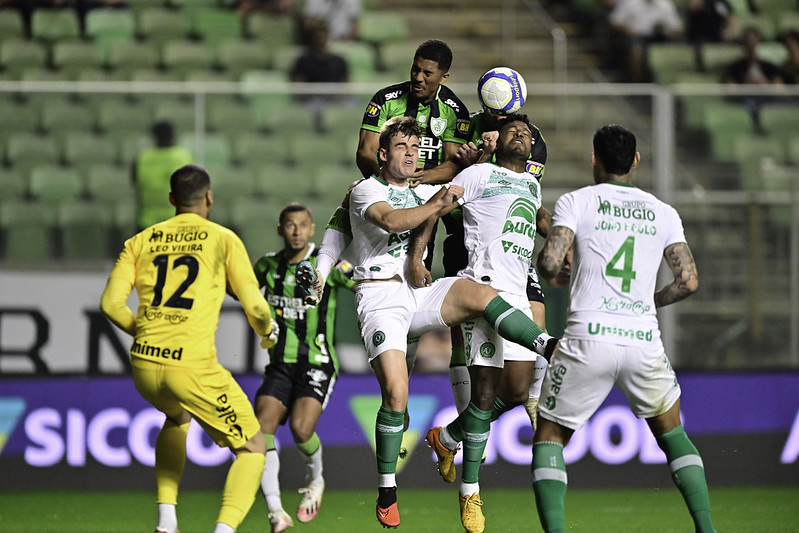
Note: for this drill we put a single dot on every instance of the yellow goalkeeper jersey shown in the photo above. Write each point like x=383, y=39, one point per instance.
x=180, y=269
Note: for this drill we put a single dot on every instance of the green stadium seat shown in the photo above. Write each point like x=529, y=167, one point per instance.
x=214, y=25
x=773, y=52
x=327, y=149
x=282, y=183
x=13, y=186
x=27, y=230
x=213, y=151
x=11, y=25
x=740, y=7
x=26, y=150
x=54, y=184
x=724, y=122
x=84, y=149
x=776, y=7
x=254, y=220
x=274, y=116
x=186, y=56
x=129, y=144
x=339, y=119
x=180, y=113
x=788, y=21
x=229, y=114
x=265, y=89
x=114, y=116
x=716, y=56
x=360, y=57
x=793, y=149
x=272, y=30
x=749, y=152
x=160, y=24
x=107, y=26
x=53, y=24
x=232, y=185
x=155, y=75
x=379, y=27
x=239, y=56
x=73, y=56
x=19, y=54
x=397, y=58
x=208, y=75
x=84, y=230
x=333, y=180
x=257, y=151
x=109, y=184
x=780, y=121
x=18, y=116
x=285, y=56
x=764, y=23
x=60, y=120
x=129, y=56
x=667, y=60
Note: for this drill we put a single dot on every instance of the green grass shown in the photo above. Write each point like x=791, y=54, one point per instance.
x=738, y=510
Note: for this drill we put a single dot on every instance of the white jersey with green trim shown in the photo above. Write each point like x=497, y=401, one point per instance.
x=620, y=233
x=499, y=220
x=377, y=253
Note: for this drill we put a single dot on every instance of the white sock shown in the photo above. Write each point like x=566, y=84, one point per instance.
x=313, y=466
x=387, y=480
x=269, y=481
x=469, y=488
x=223, y=528
x=446, y=439
x=538, y=377
x=167, y=517
x=461, y=385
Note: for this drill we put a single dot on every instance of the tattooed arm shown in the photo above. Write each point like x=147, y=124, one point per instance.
x=550, y=260
x=681, y=262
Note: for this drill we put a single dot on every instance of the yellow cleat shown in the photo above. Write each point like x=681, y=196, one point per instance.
x=446, y=457
x=471, y=513
x=531, y=406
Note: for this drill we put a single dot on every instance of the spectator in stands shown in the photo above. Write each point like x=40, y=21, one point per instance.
x=319, y=65
x=751, y=70
x=790, y=68
x=636, y=23
x=151, y=172
x=708, y=21
x=341, y=16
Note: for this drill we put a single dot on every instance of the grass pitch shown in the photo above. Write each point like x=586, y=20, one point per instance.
x=735, y=510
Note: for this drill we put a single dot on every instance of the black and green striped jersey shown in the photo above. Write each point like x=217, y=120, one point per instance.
x=306, y=333
x=444, y=119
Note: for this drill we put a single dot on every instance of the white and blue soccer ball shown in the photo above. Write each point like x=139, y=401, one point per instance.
x=501, y=91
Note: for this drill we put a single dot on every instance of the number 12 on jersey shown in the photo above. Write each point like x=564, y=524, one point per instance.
x=621, y=264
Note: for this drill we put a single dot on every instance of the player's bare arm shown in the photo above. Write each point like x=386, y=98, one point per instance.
x=552, y=256
x=686, y=280
x=447, y=170
x=543, y=222
x=366, y=156
x=415, y=272
x=393, y=220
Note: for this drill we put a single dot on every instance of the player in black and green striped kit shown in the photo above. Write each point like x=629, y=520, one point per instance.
x=303, y=366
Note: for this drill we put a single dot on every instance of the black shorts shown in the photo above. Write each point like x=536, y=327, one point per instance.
x=289, y=381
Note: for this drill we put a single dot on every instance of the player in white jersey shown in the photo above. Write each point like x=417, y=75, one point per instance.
x=501, y=207
x=620, y=235
x=383, y=211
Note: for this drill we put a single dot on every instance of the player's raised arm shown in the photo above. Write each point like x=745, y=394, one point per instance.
x=550, y=260
x=686, y=280
x=366, y=156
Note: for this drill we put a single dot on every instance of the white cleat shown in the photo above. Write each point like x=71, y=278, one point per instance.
x=311, y=501
x=280, y=521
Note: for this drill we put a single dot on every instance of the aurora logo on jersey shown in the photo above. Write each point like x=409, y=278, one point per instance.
x=421, y=408
x=11, y=410
x=524, y=209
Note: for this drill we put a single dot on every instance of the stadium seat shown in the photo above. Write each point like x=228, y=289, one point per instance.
x=261, y=150
x=107, y=26
x=109, y=184
x=282, y=183
x=114, y=116
x=776, y=7
x=208, y=75
x=11, y=25
x=128, y=57
x=18, y=116
x=239, y=56
x=54, y=184
x=229, y=115
x=788, y=21
x=274, y=115
x=215, y=25
x=338, y=119
x=72, y=56
x=773, y=52
x=271, y=30
x=51, y=24
x=254, y=220
x=84, y=149
x=724, y=121
x=60, y=120
x=285, y=56
x=265, y=90
x=212, y=151
x=780, y=121
x=27, y=229
x=186, y=56
x=397, y=58
x=19, y=54
x=667, y=60
x=232, y=185
x=716, y=56
x=13, y=186
x=84, y=230
x=764, y=23
x=360, y=57
x=379, y=27
x=181, y=114
x=793, y=149
x=159, y=24
x=26, y=150
x=333, y=180
x=749, y=151
x=155, y=75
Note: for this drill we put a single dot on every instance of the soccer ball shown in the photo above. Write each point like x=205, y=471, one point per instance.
x=501, y=91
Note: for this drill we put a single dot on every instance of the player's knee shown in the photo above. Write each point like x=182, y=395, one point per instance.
x=256, y=444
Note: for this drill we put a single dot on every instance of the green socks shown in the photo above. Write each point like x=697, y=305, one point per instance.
x=688, y=474
x=388, y=439
x=511, y=323
x=549, y=485
x=475, y=425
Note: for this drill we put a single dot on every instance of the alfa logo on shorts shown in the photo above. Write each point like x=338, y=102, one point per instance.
x=487, y=349
x=378, y=338
x=550, y=402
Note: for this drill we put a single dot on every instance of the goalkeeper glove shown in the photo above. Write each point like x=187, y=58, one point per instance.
x=310, y=281
x=271, y=339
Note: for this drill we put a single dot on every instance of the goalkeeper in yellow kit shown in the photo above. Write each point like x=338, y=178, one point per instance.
x=180, y=269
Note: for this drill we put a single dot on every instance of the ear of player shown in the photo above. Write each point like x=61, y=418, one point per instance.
x=310, y=281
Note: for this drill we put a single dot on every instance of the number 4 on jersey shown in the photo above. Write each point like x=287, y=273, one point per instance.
x=623, y=256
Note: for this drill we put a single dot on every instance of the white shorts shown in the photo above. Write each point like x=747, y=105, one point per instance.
x=390, y=311
x=582, y=372
x=485, y=347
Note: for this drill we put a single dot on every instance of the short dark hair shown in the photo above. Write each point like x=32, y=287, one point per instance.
x=163, y=133
x=515, y=117
x=293, y=207
x=399, y=125
x=614, y=147
x=189, y=184
x=435, y=50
